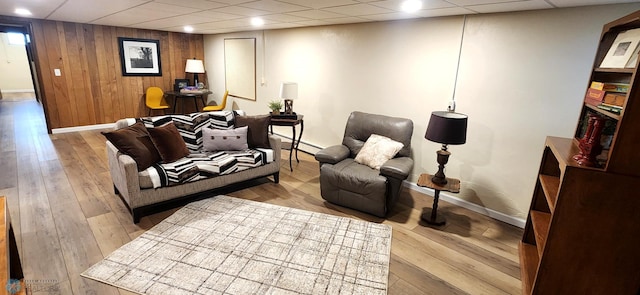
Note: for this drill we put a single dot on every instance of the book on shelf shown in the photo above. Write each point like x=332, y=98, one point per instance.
x=615, y=98
x=613, y=87
x=610, y=108
x=594, y=96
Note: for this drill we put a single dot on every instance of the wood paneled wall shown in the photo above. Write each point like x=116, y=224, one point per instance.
x=91, y=89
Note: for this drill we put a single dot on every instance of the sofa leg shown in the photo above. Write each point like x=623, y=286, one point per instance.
x=276, y=177
x=136, y=216
x=115, y=190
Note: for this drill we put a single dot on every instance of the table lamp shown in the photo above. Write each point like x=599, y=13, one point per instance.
x=446, y=127
x=195, y=67
x=288, y=92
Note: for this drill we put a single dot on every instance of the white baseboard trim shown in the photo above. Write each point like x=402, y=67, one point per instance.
x=82, y=128
x=468, y=205
x=312, y=149
x=16, y=90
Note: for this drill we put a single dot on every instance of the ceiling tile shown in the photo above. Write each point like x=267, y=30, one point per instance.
x=320, y=4
x=444, y=12
x=199, y=4
x=316, y=14
x=571, y=3
x=181, y=21
x=390, y=16
x=78, y=10
x=358, y=9
x=510, y=6
x=143, y=13
x=480, y=2
x=215, y=15
x=38, y=8
x=274, y=6
x=244, y=11
x=347, y=20
x=285, y=18
x=395, y=5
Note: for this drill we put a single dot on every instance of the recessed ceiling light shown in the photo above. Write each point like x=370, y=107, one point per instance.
x=22, y=11
x=188, y=29
x=257, y=22
x=411, y=5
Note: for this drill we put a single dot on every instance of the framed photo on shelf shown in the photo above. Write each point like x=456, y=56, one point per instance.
x=140, y=57
x=180, y=83
x=622, y=49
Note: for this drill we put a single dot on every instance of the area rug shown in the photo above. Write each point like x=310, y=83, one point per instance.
x=226, y=245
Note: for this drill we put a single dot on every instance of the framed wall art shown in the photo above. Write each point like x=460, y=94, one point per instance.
x=240, y=67
x=140, y=57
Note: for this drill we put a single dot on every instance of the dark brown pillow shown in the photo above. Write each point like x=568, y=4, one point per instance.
x=169, y=143
x=135, y=142
x=258, y=135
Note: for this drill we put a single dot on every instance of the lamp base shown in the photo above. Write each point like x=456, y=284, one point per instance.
x=288, y=106
x=443, y=157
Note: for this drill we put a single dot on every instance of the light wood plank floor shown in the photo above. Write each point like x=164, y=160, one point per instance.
x=67, y=218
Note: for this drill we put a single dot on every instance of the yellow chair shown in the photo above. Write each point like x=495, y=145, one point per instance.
x=218, y=107
x=154, y=99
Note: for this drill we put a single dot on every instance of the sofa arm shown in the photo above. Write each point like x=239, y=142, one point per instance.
x=332, y=154
x=398, y=168
x=124, y=174
x=276, y=145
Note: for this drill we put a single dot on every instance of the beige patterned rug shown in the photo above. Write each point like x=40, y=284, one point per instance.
x=226, y=245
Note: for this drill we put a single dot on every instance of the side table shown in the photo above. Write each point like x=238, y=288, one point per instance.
x=288, y=121
x=430, y=216
x=186, y=95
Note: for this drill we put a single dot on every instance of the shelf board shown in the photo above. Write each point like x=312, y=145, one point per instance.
x=540, y=222
x=615, y=70
x=528, y=265
x=603, y=112
x=564, y=149
x=550, y=186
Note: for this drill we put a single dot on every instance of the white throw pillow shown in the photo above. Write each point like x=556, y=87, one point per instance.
x=377, y=150
x=224, y=140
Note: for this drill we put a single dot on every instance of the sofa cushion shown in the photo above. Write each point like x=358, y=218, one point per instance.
x=224, y=140
x=135, y=142
x=258, y=134
x=189, y=125
x=169, y=143
x=221, y=119
x=377, y=150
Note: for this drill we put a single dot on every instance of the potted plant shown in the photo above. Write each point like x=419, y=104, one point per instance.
x=275, y=106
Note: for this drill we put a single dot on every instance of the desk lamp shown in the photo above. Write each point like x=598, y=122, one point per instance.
x=446, y=127
x=288, y=92
x=195, y=67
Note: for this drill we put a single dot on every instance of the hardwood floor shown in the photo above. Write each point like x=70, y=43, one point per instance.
x=67, y=218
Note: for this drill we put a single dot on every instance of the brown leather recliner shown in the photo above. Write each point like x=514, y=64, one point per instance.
x=350, y=184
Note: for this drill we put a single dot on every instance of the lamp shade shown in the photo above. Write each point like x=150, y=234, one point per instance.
x=194, y=66
x=289, y=90
x=447, y=128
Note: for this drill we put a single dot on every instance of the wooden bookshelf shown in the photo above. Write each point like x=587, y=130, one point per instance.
x=583, y=228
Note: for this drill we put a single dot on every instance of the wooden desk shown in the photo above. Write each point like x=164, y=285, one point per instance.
x=430, y=216
x=275, y=121
x=183, y=95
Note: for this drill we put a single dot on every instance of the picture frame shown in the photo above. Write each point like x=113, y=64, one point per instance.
x=140, y=57
x=180, y=83
x=622, y=49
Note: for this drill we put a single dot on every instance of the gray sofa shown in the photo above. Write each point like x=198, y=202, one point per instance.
x=136, y=190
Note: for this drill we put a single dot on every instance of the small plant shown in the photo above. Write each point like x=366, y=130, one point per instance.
x=275, y=105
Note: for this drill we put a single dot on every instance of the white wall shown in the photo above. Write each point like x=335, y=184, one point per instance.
x=522, y=77
x=14, y=67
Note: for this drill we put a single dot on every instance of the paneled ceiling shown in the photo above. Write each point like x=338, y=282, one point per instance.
x=222, y=16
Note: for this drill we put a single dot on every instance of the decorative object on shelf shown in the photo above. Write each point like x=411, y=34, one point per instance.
x=288, y=92
x=620, y=53
x=194, y=66
x=180, y=83
x=446, y=127
x=140, y=57
x=589, y=144
x=275, y=106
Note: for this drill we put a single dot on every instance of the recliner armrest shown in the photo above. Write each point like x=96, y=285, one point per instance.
x=332, y=154
x=398, y=168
